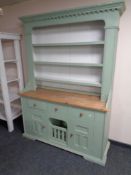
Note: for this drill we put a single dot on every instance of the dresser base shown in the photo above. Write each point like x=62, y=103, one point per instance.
x=93, y=159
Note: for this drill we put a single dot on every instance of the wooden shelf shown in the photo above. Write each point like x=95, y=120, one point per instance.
x=68, y=98
x=68, y=64
x=82, y=83
x=69, y=44
x=10, y=61
x=13, y=80
x=16, y=112
x=12, y=96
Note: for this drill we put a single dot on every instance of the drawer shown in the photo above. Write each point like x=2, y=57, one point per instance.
x=81, y=115
x=35, y=104
x=57, y=111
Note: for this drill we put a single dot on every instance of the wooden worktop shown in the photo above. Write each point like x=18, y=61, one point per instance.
x=68, y=98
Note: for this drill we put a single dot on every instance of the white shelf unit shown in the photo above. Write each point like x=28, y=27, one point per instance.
x=69, y=56
x=11, y=78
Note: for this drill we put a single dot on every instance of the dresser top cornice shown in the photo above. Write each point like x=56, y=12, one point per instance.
x=77, y=12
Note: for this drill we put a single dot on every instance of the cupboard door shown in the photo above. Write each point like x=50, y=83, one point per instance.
x=81, y=131
x=39, y=124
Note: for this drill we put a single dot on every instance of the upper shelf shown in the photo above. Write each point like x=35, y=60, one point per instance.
x=15, y=113
x=69, y=44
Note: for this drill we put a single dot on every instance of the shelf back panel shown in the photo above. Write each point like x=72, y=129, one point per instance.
x=74, y=54
x=77, y=78
x=80, y=32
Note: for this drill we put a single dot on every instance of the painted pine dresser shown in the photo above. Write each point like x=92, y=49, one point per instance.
x=71, y=58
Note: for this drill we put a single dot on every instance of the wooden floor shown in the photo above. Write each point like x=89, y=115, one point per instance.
x=68, y=98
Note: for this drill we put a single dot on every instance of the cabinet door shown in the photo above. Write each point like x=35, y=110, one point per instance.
x=39, y=124
x=80, y=132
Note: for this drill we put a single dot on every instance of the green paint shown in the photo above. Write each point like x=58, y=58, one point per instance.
x=69, y=44
x=68, y=64
x=84, y=132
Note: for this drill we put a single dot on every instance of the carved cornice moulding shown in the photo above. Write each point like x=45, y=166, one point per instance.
x=83, y=11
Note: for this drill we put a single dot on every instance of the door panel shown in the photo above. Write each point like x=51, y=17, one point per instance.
x=40, y=124
x=81, y=131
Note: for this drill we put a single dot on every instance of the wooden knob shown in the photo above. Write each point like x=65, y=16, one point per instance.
x=55, y=109
x=43, y=127
x=81, y=114
x=71, y=135
x=34, y=105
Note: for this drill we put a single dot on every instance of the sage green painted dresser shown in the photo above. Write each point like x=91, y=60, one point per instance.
x=71, y=58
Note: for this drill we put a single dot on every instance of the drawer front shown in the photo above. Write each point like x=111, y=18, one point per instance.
x=81, y=115
x=57, y=111
x=34, y=104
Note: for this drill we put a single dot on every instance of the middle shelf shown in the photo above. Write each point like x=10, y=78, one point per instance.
x=12, y=97
x=68, y=44
x=13, y=90
x=68, y=63
x=15, y=110
x=10, y=61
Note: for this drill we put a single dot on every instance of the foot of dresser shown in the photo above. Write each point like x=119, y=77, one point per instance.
x=98, y=160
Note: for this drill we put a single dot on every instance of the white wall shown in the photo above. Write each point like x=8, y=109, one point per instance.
x=120, y=129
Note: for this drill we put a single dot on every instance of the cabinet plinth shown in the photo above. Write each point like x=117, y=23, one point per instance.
x=11, y=79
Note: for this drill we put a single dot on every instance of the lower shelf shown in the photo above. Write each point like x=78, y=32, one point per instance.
x=12, y=96
x=16, y=112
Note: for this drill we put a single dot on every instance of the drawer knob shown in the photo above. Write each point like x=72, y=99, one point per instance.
x=55, y=109
x=81, y=114
x=43, y=127
x=71, y=135
x=34, y=105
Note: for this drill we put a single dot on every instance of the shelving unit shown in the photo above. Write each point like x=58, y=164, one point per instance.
x=71, y=58
x=75, y=58
x=11, y=79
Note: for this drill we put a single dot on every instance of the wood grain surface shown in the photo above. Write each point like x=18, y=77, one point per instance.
x=68, y=98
